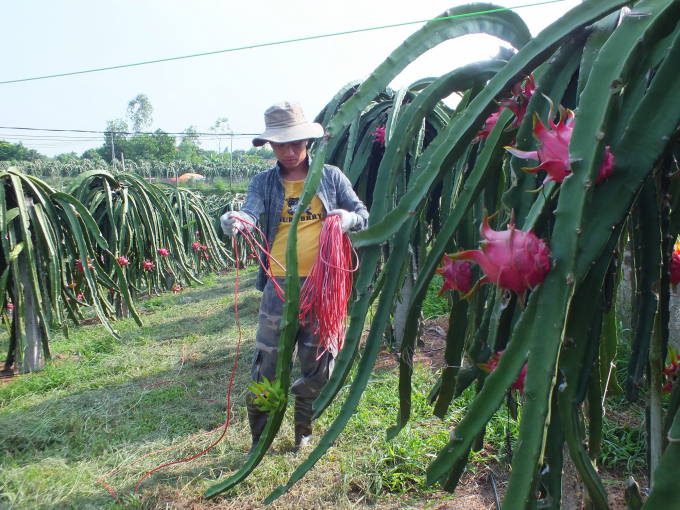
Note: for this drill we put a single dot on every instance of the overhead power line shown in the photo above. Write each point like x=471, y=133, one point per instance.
x=276, y=43
x=132, y=132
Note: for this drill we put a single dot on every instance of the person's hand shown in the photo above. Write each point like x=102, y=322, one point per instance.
x=347, y=219
x=230, y=223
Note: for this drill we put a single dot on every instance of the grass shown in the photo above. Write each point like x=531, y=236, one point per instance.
x=91, y=412
x=217, y=186
x=435, y=305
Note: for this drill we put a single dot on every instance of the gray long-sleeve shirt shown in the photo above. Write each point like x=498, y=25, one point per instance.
x=266, y=196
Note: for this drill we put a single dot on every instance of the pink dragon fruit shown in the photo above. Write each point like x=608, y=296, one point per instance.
x=123, y=261
x=79, y=265
x=164, y=252
x=493, y=363
x=457, y=275
x=675, y=266
x=147, y=265
x=512, y=259
x=521, y=94
x=10, y=306
x=79, y=297
x=196, y=246
x=671, y=371
x=488, y=126
x=553, y=149
x=379, y=135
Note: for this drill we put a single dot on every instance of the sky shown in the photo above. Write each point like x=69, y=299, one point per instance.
x=43, y=37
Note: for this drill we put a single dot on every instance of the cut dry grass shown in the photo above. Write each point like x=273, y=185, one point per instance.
x=90, y=413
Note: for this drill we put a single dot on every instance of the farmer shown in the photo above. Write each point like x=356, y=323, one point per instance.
x=275, y=194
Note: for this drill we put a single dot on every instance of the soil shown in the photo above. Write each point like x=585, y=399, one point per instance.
x=431, y=354
x=475, y=492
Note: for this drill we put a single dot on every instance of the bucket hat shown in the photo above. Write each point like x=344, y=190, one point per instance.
x=286, y=122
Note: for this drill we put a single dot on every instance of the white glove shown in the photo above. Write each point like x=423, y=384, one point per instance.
x=347, y=219
x=230, y=223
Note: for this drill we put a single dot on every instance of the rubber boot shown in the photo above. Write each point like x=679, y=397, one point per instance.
x=303, y=421
x=257, y=420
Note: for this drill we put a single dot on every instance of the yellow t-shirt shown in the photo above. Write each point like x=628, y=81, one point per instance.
x=308, y=230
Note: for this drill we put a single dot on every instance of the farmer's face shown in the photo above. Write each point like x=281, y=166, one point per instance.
x=290, y=154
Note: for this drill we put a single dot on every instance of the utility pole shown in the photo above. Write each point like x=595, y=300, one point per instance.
x=113, y=153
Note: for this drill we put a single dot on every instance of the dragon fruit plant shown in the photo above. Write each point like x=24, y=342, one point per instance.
x=611, y=68
x=91, y=242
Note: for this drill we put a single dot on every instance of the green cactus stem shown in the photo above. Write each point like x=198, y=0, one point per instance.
x=647, y=271
x=370, y=353
x=667, y=475
x=455, y=341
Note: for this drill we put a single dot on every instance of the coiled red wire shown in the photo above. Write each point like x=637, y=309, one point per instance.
x=324, y=295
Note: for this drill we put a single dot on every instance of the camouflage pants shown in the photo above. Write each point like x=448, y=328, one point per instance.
x=315, y=372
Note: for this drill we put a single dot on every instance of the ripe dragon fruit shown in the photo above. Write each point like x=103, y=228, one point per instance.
x=553, y=149
x=164, y=252
x=512, y=259
x=79, y=265
x=123, y=261
x=176, y=289
x=675, y=266
x=521, y=94
x=147, y=265
x=379, y=135
x=493, y=363
x=457, y=275
x=196, y=246
x=488, y=126
x=671, y=371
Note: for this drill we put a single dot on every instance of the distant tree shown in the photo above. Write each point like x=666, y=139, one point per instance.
x=239, y=154
x=190, y=135
x=158, y=146
x=188, y=149
x=93, y=154
x=220, y=127
x=263, y=152
x=116, y=130
x=66, y=156
x=17, y=152
x=139, y=112
x=165, y=146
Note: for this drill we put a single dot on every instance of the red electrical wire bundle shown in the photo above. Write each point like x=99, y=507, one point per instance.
x=325, y=293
